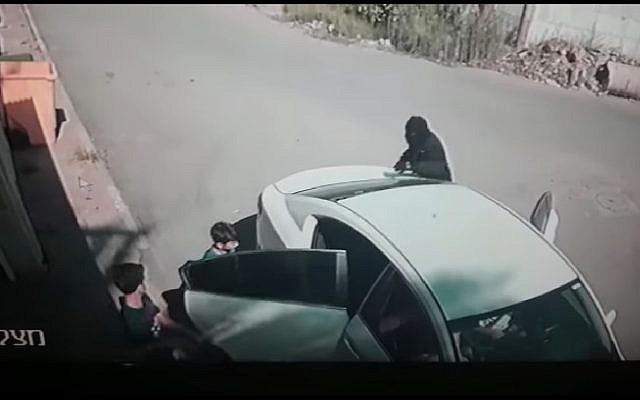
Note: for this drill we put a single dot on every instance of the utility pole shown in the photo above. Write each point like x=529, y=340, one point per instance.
x=525, y=22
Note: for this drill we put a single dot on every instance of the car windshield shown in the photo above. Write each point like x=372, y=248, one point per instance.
x=341, y=191
x=563, y=325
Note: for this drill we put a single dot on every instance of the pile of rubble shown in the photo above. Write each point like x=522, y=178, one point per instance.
x=561, y=63
x=556, y=62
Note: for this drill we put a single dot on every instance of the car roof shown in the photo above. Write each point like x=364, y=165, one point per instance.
x=475, y=255
x=319, y=177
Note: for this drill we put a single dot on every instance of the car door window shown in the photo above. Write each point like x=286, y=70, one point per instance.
x=396, y=318
x=298, y=277
x=218, y=275
x=366, y=262
x=291, y=275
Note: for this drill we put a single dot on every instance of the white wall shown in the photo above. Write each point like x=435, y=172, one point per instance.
x=514, y=10
x=606, y=25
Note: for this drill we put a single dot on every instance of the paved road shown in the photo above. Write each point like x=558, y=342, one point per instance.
x=200, y=107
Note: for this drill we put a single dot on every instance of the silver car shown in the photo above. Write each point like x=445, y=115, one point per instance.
x=355, y=263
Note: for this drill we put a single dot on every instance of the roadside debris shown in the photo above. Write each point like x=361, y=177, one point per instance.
x=322, y=30
x=556, y=62
x=561, y=63
x=86, y=186
x=85, y=155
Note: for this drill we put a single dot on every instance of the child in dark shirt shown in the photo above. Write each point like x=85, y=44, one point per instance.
x=141, y=316
x=162, y=338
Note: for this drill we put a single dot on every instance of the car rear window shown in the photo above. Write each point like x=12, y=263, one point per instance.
x=341, y=191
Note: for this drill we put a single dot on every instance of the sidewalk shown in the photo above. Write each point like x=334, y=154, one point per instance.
x=70, y=303
x=83, y=226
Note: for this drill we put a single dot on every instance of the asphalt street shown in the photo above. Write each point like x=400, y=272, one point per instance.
x=200, y=107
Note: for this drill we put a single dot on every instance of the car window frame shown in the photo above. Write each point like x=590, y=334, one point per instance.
x=385, y=276
x=317, y=233
x=268, y=231
x=403, y=266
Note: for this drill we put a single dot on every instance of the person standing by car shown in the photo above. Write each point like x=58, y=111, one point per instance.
x=160, y=336
x=425, y=155
x=142, y=318
x=225, y=240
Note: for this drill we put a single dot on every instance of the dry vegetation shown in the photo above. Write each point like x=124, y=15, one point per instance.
x=454, y=33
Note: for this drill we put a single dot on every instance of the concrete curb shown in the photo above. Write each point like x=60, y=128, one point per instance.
x=109, y=208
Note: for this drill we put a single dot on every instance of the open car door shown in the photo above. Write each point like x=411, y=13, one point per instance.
x=284, y=305
x=544, y=217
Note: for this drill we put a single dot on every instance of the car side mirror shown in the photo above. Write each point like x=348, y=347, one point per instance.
x=544, y=216
x=611, y=317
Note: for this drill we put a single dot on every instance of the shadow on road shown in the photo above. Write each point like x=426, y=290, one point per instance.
x=113, y=245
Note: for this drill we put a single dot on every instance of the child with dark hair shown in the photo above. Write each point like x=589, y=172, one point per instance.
x=225, y=240
x=164, y=340
x=141, y=316
x=425, y=155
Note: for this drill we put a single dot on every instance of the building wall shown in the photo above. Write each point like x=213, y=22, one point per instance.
x=607, y=25
x=512, y=10
x=510, y=14
x=20, y=252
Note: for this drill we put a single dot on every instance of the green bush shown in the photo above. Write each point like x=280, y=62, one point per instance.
x=445, y=32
